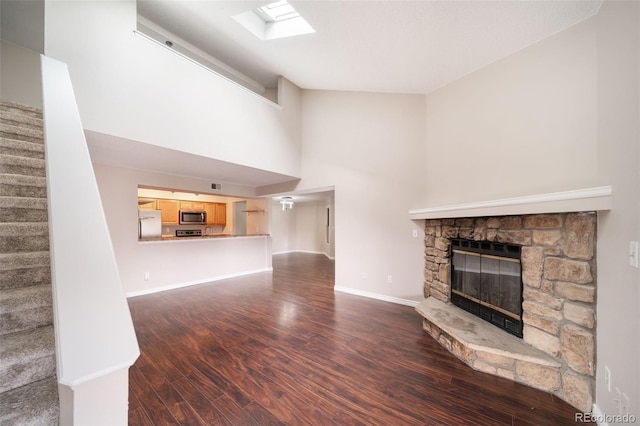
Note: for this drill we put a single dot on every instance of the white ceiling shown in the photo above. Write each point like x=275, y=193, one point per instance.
x=373, y=46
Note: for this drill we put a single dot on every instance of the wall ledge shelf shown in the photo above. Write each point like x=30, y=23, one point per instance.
x=588, y=199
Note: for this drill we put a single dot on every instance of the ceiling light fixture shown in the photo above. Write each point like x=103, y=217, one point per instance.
x=287, y=203
x=275, y=20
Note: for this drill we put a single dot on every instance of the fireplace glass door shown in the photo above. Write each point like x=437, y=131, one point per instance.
x=488, y=285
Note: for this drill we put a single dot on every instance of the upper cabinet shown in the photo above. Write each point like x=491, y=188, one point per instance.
x=216, y=213
x=146, y=204
x=169, y=211
x=192, y=205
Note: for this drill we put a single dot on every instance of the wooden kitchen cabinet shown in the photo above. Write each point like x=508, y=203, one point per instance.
x=170, y=210
x=192, y=205
x=221, y=213
x=216, y=213
x=146, y=204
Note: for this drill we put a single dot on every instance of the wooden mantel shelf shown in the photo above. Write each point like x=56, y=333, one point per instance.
x=589, y=199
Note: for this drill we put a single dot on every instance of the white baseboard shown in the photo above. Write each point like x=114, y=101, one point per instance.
x=598, y=415
x=303, y=251
x=195, y=282
x=377, y=296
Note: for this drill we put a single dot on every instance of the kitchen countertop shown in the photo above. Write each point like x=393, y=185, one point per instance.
x=203, y=237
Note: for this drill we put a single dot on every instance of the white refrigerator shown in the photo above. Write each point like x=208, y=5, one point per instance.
x=149, y=223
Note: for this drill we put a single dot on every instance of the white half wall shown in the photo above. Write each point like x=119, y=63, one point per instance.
x=169, y=264
x=134, y=89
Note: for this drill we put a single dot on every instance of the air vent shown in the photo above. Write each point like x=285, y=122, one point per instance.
x=216, y=186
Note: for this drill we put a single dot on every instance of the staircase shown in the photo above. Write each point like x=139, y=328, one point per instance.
x=28, y=384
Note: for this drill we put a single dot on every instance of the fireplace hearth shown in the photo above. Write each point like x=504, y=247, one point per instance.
x=486, y=280
x=540, y=272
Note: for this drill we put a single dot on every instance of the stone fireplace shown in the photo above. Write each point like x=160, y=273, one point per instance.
x=558, y=263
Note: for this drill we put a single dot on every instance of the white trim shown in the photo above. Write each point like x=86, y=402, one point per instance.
x=98, y=374
x=588, y=199
x=303, y=251
x=195, y=282
x=377, y=296
x=597, y=413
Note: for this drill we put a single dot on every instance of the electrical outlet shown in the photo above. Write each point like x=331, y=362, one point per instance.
x=624, y=405
x=389, y=279
x=618, y=400
x=146, y=276
x=414, y=233
x=607, y=378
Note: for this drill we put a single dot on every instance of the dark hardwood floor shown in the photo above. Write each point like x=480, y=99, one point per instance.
x=284, y=349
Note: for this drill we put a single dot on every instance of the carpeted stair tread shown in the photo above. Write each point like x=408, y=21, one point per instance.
x=26, y=356
x=18, y=165
x=35, y=404
x=24, y=236
x=23, y=209
x=15, y=108
x=12, y=185
x=23, y=120
x=20, y=148
x=21, y=133
x=24, y=308
x=24, y=269
x=17, y=237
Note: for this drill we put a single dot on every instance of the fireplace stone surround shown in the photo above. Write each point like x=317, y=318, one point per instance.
x=557, y=352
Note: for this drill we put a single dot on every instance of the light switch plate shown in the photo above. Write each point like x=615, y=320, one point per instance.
x=633, y=253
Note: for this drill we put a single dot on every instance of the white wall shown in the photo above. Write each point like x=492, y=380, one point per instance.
x=283, y=229
x=169, y=264
x=565, y=115
x=619, y=161
x=524, y=125
x=20, y=75
x=131, y=88
x=302, y=228
x=369, y=147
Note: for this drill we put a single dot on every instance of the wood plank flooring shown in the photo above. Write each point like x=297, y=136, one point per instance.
x=284, y=349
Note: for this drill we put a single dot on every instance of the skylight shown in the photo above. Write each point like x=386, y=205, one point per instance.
x=276, y=12
x=275, y=20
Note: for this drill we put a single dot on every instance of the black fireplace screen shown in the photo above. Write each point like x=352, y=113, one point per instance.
x=486, y=281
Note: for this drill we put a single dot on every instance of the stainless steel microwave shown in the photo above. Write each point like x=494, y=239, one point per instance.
x=193, y=217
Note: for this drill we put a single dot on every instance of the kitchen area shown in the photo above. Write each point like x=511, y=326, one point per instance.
x=170, y=215
x=236, y=244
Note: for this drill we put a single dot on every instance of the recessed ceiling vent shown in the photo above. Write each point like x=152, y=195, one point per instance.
x=275, y=20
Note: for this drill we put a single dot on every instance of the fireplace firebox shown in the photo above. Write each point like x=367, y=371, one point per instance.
x=486, y=280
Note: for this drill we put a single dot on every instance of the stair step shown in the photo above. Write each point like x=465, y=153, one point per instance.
x=23, y=209
x=26, y=357
x=16, y=119
x=20, y=109
x=20, y=148
x=21, y=133
x=15, y=165
x=25, y=308
x=12, y=185
x=24, y=236
x=24, y=269
x=33, y=404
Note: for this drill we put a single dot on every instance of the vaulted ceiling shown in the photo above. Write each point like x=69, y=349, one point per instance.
x=373, y=46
